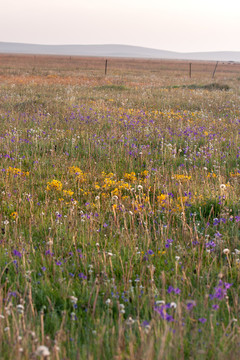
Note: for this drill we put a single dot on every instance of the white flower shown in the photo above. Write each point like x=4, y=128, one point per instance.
x=222, y=186
x=226, y=251
x=73, y=316
x=130, y=321
x=173, y=305
x=147, y=328
x=73, y=300
x=20, y=309
x=108, y=302
x=160, y=302
x=140, y=187
x=177, y=258
x=42, y=350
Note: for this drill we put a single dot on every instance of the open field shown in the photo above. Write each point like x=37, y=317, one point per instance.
x=119, y=209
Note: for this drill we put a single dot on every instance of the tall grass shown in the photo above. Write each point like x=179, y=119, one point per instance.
x=119, y=218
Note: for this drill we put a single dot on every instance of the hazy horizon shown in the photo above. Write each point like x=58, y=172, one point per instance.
x=114, y=50
x=114, y=44
x=179, y=26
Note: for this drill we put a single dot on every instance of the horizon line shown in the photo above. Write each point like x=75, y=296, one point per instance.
x=116, y=44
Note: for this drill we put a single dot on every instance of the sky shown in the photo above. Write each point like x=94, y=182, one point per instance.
x=176, y=25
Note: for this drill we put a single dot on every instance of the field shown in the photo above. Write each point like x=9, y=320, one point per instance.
x=119, y=209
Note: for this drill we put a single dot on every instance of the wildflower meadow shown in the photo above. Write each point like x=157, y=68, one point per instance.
x=119, y=211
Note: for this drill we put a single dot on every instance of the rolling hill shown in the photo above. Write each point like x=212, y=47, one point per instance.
x=113, y=50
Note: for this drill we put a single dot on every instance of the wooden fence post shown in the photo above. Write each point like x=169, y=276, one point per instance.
x=215, y=69
x=106, y=67
x=190, y=70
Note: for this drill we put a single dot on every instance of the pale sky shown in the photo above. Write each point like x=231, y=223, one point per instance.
x=177, y=25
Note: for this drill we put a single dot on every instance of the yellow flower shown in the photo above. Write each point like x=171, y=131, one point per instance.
x=130, y=176
x=14, y=214
x=211, y=175
x=74, y=170
x=234, y=174
x=68, y=192
x=162, y=198
x=16, y=171
x=182, y=178
x=54, y=185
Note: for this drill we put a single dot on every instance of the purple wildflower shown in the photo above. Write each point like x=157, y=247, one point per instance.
x=17, y=253
x=202, y=320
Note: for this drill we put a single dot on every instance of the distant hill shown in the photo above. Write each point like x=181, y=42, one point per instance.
x=126, y=51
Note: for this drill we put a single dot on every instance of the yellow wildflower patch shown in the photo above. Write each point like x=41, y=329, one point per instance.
x=17, y=171
x=54, y=185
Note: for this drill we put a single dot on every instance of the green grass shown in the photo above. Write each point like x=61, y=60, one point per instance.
x=117, y=205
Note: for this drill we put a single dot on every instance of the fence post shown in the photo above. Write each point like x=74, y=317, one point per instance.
x=106, y=67
x=190, y=70
x=215, y=69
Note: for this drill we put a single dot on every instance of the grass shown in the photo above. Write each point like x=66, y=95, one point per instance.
x=209, y=87
x=119, y=211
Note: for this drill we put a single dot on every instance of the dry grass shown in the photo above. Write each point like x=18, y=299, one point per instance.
x=119, y=209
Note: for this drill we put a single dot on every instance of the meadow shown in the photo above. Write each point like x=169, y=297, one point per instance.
x=119, y=209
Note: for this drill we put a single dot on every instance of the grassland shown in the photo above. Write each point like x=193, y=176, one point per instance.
x=120, y=211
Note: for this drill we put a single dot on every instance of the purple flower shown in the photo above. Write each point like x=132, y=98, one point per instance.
x=48, y=252
x=177, y=291
x=227, y=285
x=220, y=290
x=220, y=293
x=145, y=323
x=161, y=310
x=82, y=276
x=170, y=289
x=211, y=245
x=202, y=320
x=17, y=253
x=190, y=305
x=169, y=318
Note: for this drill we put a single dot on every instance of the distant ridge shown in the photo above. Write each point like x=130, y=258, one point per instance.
x=125, y=51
